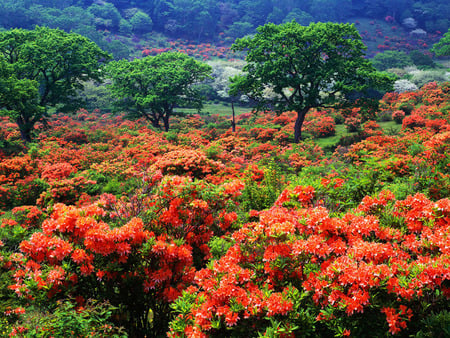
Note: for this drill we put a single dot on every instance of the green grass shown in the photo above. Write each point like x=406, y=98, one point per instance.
x=216, y=108
x=389, y=127
x=333, y=140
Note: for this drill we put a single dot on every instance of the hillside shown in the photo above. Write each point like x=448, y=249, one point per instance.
x=125, y=28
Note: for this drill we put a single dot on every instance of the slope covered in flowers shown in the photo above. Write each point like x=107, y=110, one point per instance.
x=109, y=227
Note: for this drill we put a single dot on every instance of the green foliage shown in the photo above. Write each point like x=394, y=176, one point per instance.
x=391, y=59
x=44, y=68
x=106, y=15
x=19, y=99
x=219, y=246
x=330, y=10
x=305, y=67
x=303, y=18
x=239, y=29
x=407, y=107
x=442, y=48
x=435, y=325
x=421, y=60
x=125, y=27
x=96, y=96
x=95, y=319
x=141, y=23
x=260, y=193
x=204, y=19
x=68, y=19
x=153, y=86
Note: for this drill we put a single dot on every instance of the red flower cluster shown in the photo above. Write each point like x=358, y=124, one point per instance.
x=346, y=263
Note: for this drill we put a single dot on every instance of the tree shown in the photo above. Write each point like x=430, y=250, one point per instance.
x=141, y=22
x=41, y=68
x=240, y=29
x=303, y=18
x=19, y=99
x=153, y=86
x=330, y=10
x=305, y=67
x=391, y=59
x=107, y=16
x=442, y=48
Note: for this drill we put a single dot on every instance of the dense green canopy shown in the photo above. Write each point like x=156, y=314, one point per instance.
x=304, y=67
x=153, y=86
x=41, y=68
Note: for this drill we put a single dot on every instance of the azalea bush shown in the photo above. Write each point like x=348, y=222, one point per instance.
x=146, y=244
x=322, y=126
x=298, y=270
x=352, y=124
x=398, y=116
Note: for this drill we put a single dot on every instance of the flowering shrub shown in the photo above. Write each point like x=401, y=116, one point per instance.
x=371, y=128
x=304, y=155
x=192, y=162
x=300, y=270
x=413, y=121
x=322, y=126
x=352, y=124
x=75, y=249
x=398, y=116
x=148, y=243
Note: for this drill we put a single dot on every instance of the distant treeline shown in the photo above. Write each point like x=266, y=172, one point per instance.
x=208, y=20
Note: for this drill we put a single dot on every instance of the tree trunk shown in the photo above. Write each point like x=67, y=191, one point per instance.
x=233, y=121
x=166, y=121
x=26, y=135
x=298, y=124
x=25, y=131
x=155, y=123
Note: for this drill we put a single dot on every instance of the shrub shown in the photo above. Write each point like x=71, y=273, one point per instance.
x=391, y=59
x=403, y=85
x=398, y=116
x=351, y=139
x=262, y=188
x=423, y=77
x=299, y=271
x=371, y=128
x=352, y=124
x=420, y=59
x=413, y=121
x=339, y=118
x=191, y=162
x=407, y=107
x=68, y=320
x=384, y=115
x=321, y=126
x=141, y=23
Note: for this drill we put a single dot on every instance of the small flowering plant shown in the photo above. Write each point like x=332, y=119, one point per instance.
x=398, y=116
x=353, y=123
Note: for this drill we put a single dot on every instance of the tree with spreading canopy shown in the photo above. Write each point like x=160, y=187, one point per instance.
x=44, y=68
x=305, y=67
x=153, y=86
